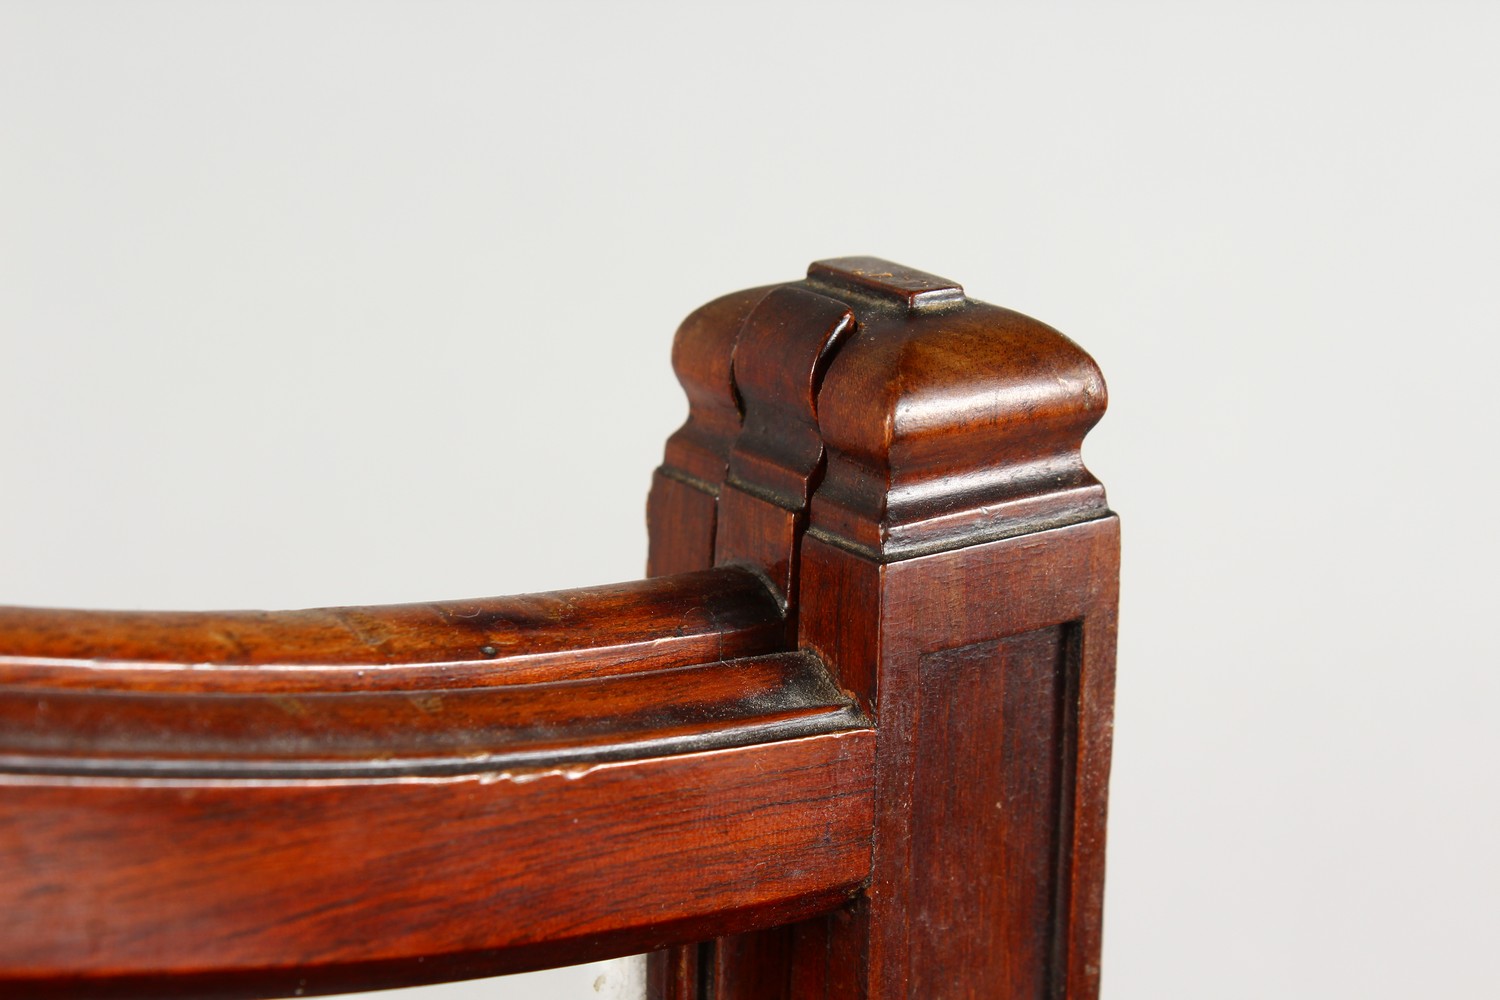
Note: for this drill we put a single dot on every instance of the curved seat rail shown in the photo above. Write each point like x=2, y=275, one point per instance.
x=267, y=803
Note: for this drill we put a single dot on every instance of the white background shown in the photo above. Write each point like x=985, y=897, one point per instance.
x=358, y=302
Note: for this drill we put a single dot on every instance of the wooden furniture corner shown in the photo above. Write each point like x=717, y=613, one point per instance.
x=849, y=739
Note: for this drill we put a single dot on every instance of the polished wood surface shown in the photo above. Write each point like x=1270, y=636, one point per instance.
x=681, y=509
x=1002, y=608
x=849, y=740
x=226, y=887
x=436, y=731
x=955, y=567
x=259, y=803
x=564, y=635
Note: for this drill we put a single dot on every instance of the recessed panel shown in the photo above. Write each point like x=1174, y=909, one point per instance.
x=990, y=807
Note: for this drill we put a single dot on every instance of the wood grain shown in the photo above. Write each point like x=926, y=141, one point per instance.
x=988, y=844
x=685, y=488
x=956, y=569
x=397, y=733
x=256, y=804
x=864, y=758
x=563, y=635
x=262, y=888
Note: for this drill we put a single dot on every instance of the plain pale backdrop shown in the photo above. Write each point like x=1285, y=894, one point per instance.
x=323, y=303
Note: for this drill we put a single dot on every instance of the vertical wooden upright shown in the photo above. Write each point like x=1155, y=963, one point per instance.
x=956, y=569
x=683, y=505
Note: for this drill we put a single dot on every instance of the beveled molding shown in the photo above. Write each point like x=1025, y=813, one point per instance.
x=263, y=804
x=675, y=665
x=945, y=421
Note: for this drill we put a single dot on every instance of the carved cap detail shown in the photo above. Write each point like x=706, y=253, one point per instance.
x=944, y=421
x=953, y=427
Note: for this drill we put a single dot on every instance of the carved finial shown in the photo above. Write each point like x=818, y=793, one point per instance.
x=779, y=360
x=945, y=427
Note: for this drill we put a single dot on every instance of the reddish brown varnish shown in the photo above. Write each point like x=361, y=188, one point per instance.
x=956, y=569
x=851, y=739
x=565, y=635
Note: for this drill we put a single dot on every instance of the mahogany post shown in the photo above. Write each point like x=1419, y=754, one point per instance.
x=681, y=510
x=958, y=575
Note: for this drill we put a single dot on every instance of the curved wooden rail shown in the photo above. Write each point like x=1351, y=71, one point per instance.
x=564, y=635
x=263, y=804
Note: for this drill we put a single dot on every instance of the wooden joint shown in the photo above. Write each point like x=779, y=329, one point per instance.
x=926, y=517
x=852, y=739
